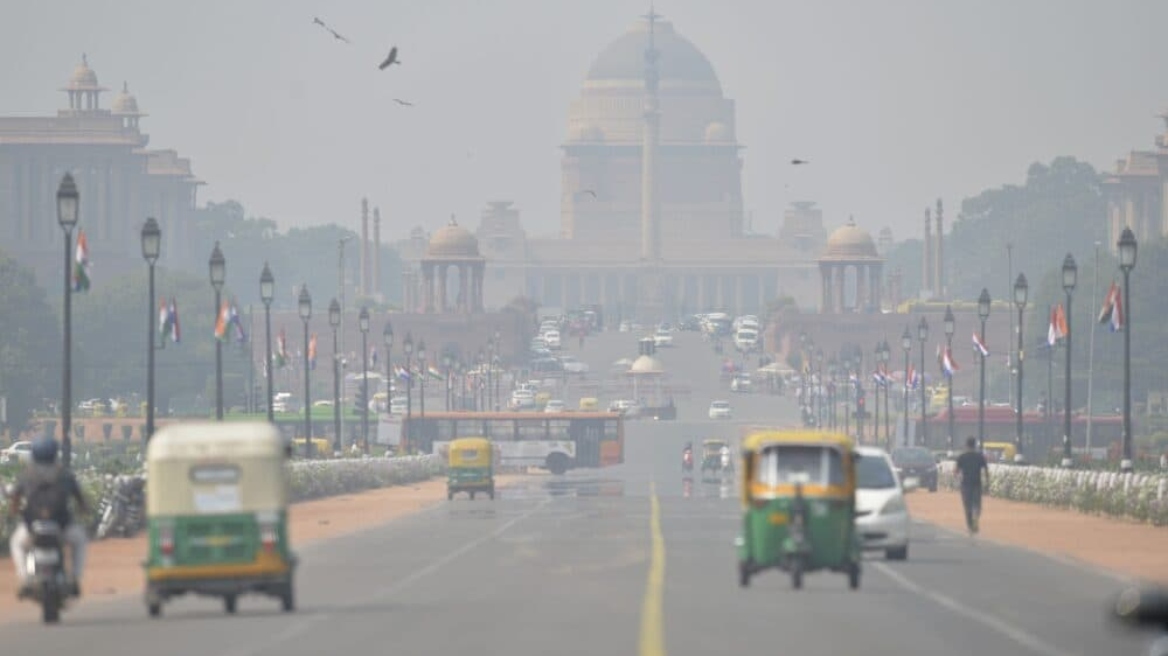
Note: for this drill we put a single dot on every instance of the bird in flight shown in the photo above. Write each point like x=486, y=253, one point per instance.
x=589, y=192
x=390, y=60
x=402, y=102
x=797, y=162
x=317, y=21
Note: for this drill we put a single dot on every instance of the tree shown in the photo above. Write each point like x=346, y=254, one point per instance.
x=1059, y=209
x=30, y=344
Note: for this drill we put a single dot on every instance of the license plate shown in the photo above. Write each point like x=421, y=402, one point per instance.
x=912, y=481
x=45, y=557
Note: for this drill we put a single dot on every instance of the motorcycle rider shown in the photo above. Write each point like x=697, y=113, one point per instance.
x=687, y=454
x=43, y=490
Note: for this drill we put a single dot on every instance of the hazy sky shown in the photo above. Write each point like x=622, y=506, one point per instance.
x=895, y=102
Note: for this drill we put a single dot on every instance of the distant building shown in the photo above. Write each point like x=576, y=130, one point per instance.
x=651, y=202
x=121, y=183
x=1136, y=192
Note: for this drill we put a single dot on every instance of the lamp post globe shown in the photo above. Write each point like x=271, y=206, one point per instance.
x=334, y=313
x=68, y=203
x=267, y=285
x=151, y=240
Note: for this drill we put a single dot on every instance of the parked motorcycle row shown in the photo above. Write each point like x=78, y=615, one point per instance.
x=122, y=509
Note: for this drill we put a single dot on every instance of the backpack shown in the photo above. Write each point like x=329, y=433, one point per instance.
x=47, y=497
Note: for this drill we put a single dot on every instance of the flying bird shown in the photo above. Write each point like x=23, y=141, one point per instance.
x=590, y=192
x=390, y=60
x=317, y=21
x=402, y=102
x=338, y=36
x=797, y=162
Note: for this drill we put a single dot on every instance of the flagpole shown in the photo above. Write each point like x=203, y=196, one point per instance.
x=1091, y=351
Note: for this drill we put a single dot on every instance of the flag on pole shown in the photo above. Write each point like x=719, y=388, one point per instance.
x=81, y=263
x=312, y=352
x=373, y=357
x=979, y=346
x=168, y=324
x=948, y=364
x=222, y=321
x=1058, y=325
x=281, y=350
x=1112, y=311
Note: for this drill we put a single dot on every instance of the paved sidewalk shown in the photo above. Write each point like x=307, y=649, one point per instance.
x=1131, y=550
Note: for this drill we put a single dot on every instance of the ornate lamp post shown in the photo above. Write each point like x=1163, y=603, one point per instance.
x=496, y=360
x=387, y=339
x=218, y=267
x=267, y=293
x=408, y=349
x=1127, y=261
x=423, y=369
x=151, y=248
x=906, y=343
x=922, y=337
x=983, y=313
x=1020, y=291
x=950, y=328
x=876, y=393
x=1070, y=278
x=831, y=369
x=363, y=324
x=447, y=363
x=817, y=397
x=334, y=319
x=304, y=307
x=68, y=211
x=480, y=391
x=847, y=382
x=886, y=357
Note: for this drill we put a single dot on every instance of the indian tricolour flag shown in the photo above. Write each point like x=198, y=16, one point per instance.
x=81, y=263
x=281, y=350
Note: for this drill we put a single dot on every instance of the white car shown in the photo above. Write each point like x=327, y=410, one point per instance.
x=746, y=339
x=552, y=338
x=741, y=384
x=663, y=338
x=881, y=515
x=20, y=452
x=555, y=405
x=522, y=399
x=720, y=410
x=572, y=365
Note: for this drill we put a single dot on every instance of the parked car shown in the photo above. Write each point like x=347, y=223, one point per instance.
x=663, y=337
x=555, y=405
x=20, y=452
x=742, y=383
x=914, y=462
x=720, y=410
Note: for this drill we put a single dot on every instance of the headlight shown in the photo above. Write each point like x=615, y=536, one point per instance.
x=893, y=505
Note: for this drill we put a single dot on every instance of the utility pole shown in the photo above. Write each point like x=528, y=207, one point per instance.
x=341, y=298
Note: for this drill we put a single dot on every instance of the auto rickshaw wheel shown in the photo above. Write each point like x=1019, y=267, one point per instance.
x=797, y=572
x=288, y=598
x=854, y=576
x=229, y=604
x=154, y=609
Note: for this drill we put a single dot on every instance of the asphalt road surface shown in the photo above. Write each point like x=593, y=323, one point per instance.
x=626, y=560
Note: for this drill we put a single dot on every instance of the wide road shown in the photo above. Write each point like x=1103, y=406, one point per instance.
x=620, y=561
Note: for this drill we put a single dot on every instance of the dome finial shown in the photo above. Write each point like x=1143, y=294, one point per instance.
x=84, y=59
x=851, y=220
x=125, y=87
x=453, y=221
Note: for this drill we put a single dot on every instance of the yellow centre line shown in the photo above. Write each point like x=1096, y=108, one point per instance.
x=652, y=621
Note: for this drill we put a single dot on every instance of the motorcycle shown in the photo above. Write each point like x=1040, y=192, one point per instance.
x=46, y=569
x=1143, y=609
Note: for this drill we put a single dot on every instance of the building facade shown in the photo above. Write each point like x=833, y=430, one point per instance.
x=120, y=180
x=1136, y=190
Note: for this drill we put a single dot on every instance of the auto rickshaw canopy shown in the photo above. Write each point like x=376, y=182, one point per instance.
x=202, y=468
x=776, y=462
x=470, y=452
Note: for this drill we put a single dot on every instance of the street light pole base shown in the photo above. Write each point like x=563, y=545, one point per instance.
x=1067, y=463
x=1125, y=466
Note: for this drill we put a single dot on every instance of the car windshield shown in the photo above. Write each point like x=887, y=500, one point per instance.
x=873, y=473
x=912, y=457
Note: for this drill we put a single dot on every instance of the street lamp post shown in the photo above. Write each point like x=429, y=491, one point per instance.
x=886, y=357
x=408, y=349
x=481, y=392
x=68, y=211
x=1020, y=291
x=983, y=313
x=151, y=248
x=817, y=398
x=363, y=324
x=876, y=393
x=447, y=362
x=423, y=370
x=1127, y=261
x=906, y=343
x=267, y=293
x=950, y=328
x=847, y=360
x=334, y=319
x=923, y=336
x=1070, y=278
x=831, y=366
x=496, y=360
x=489, y=393
x=387, y=339
x=218, y=266
x=304, y=306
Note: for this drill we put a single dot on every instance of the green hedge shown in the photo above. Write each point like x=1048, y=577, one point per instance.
x=1139, y=496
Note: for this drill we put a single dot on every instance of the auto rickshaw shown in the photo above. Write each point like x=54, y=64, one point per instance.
x=471, y=467
x=216, y=511
x=798, y=502
x=712, y=459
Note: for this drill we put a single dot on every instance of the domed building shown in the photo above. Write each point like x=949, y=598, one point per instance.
x=652, y=219
x=453, y=248
x=850, y=249
x=121, y=182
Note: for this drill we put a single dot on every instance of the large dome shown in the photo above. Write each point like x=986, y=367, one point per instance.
x=125, y=103
x=850, y=242
x=678, y=59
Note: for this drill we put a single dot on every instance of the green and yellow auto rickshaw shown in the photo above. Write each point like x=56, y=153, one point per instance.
x=470, y=467
x=216, y=510
x=714, y=466
x=798, y=501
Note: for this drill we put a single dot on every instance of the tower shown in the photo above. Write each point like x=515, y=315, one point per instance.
x=363, y=255
x=939, y=260
x=376, y=290
x=927, y=258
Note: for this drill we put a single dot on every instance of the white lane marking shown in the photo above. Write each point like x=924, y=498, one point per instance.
x=1020, y=636
x=1066, y=561
x=304, y=624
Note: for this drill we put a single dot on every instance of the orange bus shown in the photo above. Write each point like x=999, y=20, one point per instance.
x=556, y=441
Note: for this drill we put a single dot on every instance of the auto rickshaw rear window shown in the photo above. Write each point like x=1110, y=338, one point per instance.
x=214, y=474
x=786, y=465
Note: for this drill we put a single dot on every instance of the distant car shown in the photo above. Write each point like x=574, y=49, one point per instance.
x=914, y=462
x=742, y=384
x=552, y=337
x=555, y=405
x=881, y=514
x=572, y=365
x=663, y=337
x=720, y=410
x=746, y=340
x=20, y=452
x=522, y=399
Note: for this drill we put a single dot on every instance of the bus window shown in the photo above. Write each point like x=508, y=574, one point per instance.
x=533, y=430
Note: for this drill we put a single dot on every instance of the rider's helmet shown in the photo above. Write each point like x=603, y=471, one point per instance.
x=44, y=451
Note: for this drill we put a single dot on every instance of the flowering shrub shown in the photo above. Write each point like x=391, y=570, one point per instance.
x=1142, y=497
x=308, y=479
